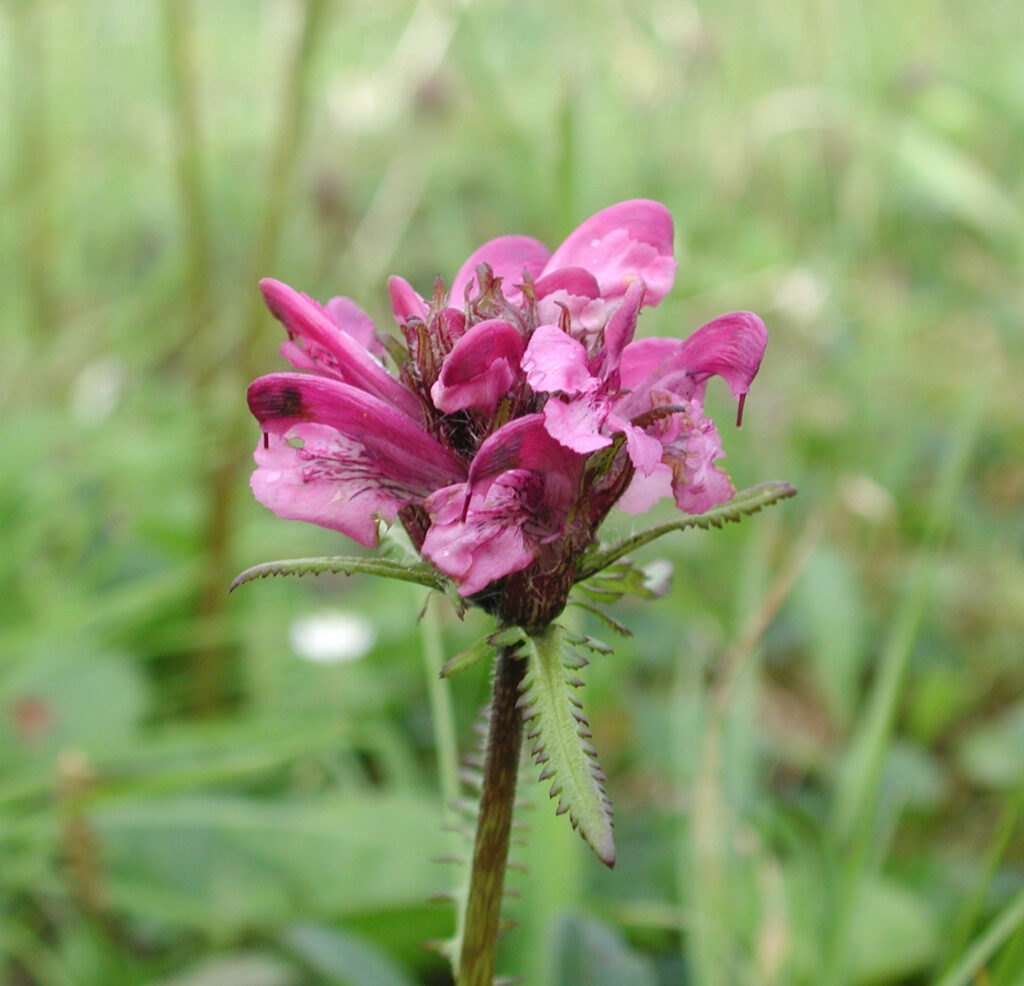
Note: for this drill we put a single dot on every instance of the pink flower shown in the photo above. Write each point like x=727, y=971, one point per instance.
x=518, y=412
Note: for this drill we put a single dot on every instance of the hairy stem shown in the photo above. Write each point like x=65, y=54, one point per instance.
x=494, y=824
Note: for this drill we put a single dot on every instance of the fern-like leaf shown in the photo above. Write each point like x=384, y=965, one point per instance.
x=418, y=573
x=560, y=736
x=740, y=506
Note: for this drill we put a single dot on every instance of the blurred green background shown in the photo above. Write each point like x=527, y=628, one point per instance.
x=814, y=742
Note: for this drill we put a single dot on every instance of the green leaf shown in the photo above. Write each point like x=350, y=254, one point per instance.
x=342, y=958
x=339, y=564
x=561, y=737
x=468, y=657
x=590, y=952
x=616, y=581
x=745, y=503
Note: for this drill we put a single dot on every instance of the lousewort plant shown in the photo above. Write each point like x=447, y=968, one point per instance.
x=520, y=410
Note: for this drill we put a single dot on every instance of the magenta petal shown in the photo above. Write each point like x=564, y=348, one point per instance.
x=523, y=443
x=618, y=333
x=731, y=346
x=405, y=302
x=508, y=257
x=350, y=318
x=480, y=369
x=554, y=361
x=331, y=351
x=619, y=244
x=574, y=281
x=397, y=448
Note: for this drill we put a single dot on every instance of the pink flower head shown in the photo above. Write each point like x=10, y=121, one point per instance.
x=518, y=412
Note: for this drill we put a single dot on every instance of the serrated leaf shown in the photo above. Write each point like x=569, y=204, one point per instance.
x=560, y=738
x=468, y=657
x=615, y=581
x=742, y=505
x=342, y=565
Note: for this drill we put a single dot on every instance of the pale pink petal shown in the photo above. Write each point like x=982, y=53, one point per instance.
x=324, y=479
x=480, y=369
x=405, y=302
x=619, y=244
x=554, y=361
x=576, y=424
x=644, y=450
x=508, y=257
x=573, y=290
x=397, y=448
x=644, y=492
x=697, y=482
x=318, y=344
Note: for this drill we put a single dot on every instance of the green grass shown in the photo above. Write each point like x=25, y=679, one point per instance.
x=813, y=743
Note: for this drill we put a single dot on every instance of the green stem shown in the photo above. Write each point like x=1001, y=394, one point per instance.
x=494, y=825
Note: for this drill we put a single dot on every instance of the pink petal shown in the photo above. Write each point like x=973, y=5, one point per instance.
x=697, y=482
x=644, y=450
x=508, y=257
x=554, y=361
x=323, y=481
x=619, y=244
x=487, y=546
x=574, y=290
x=480, y=369
x=618, y=333
x=523, y=443
x=397, y=447
x=644, y=492
x=576, y=424
x=350, y=318
x=405, y=302
x=731, y=346
x=318, y=344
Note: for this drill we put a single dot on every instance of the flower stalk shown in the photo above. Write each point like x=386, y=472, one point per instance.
x=494, y=824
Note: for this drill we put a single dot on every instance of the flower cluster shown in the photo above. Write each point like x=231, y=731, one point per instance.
x=520, y=411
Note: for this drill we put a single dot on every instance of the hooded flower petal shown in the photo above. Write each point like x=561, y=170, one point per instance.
x=480, y=369
x=521, y=444
x=400, y=448
x=621, y=243
x=405, y=302
x=508, y=257
x=731, y=346
x=328, y=350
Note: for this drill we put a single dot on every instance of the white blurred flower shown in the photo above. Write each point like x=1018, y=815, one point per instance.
x=658, y=576
x=801, y=295
x=96, y=391
x=332, y=636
